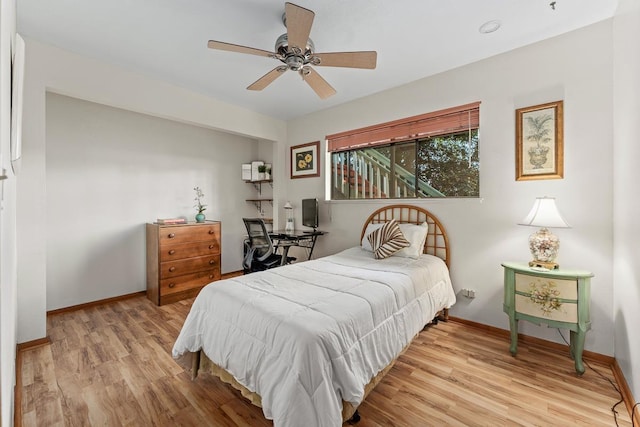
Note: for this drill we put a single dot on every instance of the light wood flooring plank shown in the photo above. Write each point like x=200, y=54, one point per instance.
x=111, y=365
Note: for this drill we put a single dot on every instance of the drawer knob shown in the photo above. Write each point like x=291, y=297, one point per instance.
x=172, y=285
x=211, y=232
x=172, y=235
x=211, y=246
x=172, y=251
x=212, y=261
x=172, y=269
x=211, y=276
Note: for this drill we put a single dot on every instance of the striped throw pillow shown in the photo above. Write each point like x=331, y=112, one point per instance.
x=387, y=240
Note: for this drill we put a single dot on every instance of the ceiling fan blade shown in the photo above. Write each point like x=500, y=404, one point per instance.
x=230, y=47
x=268, y=78
x=317, y=83
x=365, y=59
x=298, y=21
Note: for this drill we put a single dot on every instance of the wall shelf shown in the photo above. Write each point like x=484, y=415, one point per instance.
x=263, y=198
x=258, y=203
x=258, y=184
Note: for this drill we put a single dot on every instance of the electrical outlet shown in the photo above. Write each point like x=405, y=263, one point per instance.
x=469, y=293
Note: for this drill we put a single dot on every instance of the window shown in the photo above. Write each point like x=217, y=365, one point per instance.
x=432, y=155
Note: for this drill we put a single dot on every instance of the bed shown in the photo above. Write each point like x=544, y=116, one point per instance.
x=308, y=341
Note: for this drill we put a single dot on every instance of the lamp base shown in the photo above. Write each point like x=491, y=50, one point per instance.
x=542, y=264
x=544, y=247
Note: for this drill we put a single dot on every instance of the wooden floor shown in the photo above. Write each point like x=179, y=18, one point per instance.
x=111, y=365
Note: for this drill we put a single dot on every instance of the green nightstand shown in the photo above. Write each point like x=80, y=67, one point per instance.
x=558, y=298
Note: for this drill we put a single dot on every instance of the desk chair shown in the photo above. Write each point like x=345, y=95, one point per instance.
x=261, y=252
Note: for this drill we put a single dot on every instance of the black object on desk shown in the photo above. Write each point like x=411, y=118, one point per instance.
x=305, y=239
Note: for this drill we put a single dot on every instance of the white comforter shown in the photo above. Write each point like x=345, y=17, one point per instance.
x=309, y=335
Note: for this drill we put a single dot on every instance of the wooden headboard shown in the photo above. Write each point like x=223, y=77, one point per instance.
x=437, y=242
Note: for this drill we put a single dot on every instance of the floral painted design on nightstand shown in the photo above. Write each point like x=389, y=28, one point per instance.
x=546, y=296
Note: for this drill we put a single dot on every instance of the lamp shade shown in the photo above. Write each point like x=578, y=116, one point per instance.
x=288, y=205
x=545, y=214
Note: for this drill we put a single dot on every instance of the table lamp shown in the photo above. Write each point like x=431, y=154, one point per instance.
x=543, y=244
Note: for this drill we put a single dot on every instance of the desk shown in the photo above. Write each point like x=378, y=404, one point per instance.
x=286, y=239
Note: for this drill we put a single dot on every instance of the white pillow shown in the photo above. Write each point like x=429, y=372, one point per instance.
x=365, y=239
x=415, y=234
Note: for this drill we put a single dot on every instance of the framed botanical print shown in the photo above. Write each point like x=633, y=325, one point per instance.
x=305, y=160
x=539, y=142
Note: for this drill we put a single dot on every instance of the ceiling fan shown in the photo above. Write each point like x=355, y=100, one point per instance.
x=296, y=51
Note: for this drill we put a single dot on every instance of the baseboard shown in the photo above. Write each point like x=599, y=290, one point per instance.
x=590, y=355
x=17, y=391
x=95, y=303
x=32, y=344
x=122, y=297
x=231, y=274
x=625, y=391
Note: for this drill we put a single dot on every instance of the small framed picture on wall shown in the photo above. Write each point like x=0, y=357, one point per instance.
x=305, y=160
x=539, y=142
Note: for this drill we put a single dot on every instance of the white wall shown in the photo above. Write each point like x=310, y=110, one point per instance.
x=576, y=68
x=49, y=69
x=8, y=280
x=626, y=110
x=109, y=171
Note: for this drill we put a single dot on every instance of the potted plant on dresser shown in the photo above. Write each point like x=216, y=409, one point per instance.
x=200, y=207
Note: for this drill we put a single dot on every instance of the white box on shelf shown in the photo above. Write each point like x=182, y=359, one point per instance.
x=254, y=169
x=246, y=171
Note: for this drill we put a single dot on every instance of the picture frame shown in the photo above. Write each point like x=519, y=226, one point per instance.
x=539, y=142
x=305, y=160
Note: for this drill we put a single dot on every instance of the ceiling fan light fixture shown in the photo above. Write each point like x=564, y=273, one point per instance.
x=282, y=46
x=294, y=62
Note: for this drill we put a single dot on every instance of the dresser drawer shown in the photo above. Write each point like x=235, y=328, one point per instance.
x=188, y=250
x=188, y=281
x=189, y=233
x=548, y=298
x=189, y=265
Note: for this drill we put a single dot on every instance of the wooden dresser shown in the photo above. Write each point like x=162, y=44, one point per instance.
x=181, y=259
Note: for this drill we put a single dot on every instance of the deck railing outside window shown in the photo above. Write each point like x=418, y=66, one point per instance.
x=431, y=155
x=442, y=166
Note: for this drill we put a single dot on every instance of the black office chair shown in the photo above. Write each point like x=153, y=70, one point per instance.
x=260, y=252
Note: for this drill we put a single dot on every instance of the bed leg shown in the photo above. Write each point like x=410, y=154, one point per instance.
x=355, y=417
x=195, y=364
x=441, y=315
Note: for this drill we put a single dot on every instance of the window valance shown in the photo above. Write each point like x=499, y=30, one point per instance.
x=450, y=120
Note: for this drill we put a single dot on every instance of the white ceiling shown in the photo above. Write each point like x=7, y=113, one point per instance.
x=167, y=40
